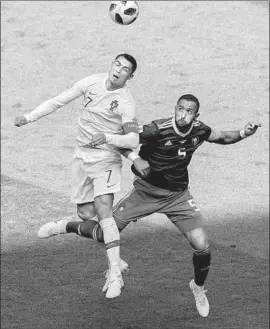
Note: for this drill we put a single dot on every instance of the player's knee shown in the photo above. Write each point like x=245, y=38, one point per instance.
x=85, y=213
x=201, y=243
x=198, y=239
x=82, y=215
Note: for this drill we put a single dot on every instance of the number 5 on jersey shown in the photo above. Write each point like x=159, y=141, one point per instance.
x=182, y=153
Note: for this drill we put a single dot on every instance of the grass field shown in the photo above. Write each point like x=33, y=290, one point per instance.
x=219, y=51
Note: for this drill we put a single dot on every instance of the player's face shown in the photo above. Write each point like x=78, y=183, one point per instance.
x=185, y=112
x=120, y=72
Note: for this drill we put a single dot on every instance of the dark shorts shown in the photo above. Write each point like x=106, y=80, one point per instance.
x=145, y=199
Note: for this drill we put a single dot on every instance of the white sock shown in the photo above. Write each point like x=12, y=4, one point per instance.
x=112, y=244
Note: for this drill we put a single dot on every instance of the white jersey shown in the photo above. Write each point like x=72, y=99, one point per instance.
x=102, y=111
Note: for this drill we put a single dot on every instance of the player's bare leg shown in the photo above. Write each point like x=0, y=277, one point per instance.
x=201, y=262
x=85, y=211
x=91, y=229
x=88, y=228
x=103, y=206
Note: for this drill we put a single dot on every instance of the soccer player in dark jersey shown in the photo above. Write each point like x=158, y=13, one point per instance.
x=162, y=185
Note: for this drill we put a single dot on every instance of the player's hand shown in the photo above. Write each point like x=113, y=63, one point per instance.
x=97, y=139
x=251, y=128
x=142, y=166
x=20, y=121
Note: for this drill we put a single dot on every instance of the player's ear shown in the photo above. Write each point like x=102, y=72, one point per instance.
x=197, y=115
x=131, y=76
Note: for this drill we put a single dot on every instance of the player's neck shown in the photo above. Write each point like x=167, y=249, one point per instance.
x=183, y=129
x=111, y=86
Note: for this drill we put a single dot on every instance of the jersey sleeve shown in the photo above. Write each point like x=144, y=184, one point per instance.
x=81, y=86
x=214, y=135
x=206, y=132
x=127, y=111
x=148, y=132
x=59, y=101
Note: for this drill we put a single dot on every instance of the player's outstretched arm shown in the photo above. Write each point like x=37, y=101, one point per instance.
x=231, y=137
x=50, y=106
x=20, y=121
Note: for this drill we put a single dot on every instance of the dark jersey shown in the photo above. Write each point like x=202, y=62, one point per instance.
x=169, y=151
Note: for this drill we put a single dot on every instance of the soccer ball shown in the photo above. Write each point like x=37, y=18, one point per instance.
x=124, y=12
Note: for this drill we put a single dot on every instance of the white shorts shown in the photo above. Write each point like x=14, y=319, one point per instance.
x=88, y=182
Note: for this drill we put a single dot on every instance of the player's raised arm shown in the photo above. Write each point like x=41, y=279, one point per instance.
x=51, y=105
x=231, y=137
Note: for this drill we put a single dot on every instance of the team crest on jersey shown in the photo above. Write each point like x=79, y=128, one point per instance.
x=195, y=140
x=114, y=105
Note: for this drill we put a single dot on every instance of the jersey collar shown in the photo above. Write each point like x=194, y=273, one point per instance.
x=178, y=131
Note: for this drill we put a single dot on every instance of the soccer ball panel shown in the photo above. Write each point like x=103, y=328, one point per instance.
x=112, y=7
x=130, y=11
x=124, y=12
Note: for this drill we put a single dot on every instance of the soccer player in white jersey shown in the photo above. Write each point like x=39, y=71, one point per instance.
x=106, y=121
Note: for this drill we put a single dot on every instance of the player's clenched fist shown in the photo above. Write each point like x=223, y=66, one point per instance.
x=251, y=128
x=142, y=166
x=20, y=121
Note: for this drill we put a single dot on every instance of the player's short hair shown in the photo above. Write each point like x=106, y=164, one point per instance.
x=129, y=58
x=190, y=97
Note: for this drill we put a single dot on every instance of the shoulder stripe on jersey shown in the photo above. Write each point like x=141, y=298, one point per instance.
x=166, y=124
x=196, y=123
